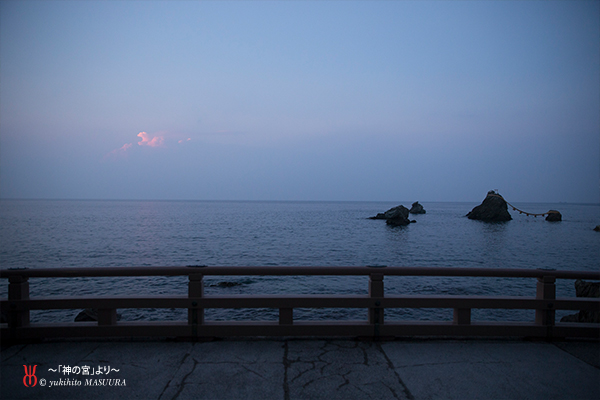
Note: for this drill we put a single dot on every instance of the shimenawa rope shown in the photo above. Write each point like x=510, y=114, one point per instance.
x=521, y=211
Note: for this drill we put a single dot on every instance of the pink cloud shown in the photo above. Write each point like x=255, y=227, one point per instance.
x=156, y=141
x=187, y=140
x=119, y=152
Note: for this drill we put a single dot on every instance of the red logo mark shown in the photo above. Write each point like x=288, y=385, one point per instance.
x=30, y=373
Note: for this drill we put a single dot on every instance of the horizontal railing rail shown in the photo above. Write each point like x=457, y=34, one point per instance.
x=302, y=270
x=18, y=305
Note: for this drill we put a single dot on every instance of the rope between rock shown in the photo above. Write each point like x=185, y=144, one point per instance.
x=521, y=211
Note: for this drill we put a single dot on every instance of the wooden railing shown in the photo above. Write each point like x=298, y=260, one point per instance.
x=18, y=305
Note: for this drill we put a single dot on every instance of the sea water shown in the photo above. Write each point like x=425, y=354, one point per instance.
x=92, y=234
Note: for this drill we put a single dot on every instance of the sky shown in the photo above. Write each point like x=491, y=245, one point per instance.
x=300, y=100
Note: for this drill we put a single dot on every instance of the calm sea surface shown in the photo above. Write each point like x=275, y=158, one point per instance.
x=44, y=233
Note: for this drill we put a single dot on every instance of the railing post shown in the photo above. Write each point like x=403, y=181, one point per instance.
x=462, y=316
x=195, y=289
x=18, y=289
x=286, y=316
x=546, y=290
x=107, y=316
x=376, y=291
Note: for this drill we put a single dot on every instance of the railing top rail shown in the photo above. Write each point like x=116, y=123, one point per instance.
x=296, y=270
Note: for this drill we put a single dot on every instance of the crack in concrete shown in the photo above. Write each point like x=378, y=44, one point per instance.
x=346, y=381
x=324, y=352
x=185, y=356
x=313, y=365
x=313, y=381
x=326, y=364
x=305, y=371
x=286, y=366
x=249, y=370
x=365, y=356
x=400, y=381
x=321, y=364
x=182, y=384
x=391, y=390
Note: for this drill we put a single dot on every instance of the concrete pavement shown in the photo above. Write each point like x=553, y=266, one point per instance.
x=302, y=369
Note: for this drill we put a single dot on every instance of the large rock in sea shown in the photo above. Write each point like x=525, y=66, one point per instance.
x=553, y=216
x=397, y=216
x=417, y=208
x=398, y=220
x=492, y=209
x=585, y=289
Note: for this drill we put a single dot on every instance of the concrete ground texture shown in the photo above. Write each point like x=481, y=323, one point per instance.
x=302, y=369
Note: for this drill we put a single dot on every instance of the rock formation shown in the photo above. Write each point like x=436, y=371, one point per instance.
x=585, y=289
x=90, y=314
x=597, y=228
x=554, y=216
x=398, y=220
x=492, y=209
x=397, y=216
x=225, y=284
x=417, y=208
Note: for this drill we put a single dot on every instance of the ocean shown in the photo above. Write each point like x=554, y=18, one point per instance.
x=92, y=234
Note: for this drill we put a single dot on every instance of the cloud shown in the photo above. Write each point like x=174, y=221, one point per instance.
x=186, y=140
x=156, y=141
x=121, y=151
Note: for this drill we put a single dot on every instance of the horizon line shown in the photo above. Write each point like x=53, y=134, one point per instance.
x=279, y=201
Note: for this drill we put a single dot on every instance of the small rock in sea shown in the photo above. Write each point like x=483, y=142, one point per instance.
x=87, y=315
x=225, y=284
x=597, y=228
x=554, y=216
x=492, y=209
x=417, y=208
x=90, y=314
x=585, y=289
